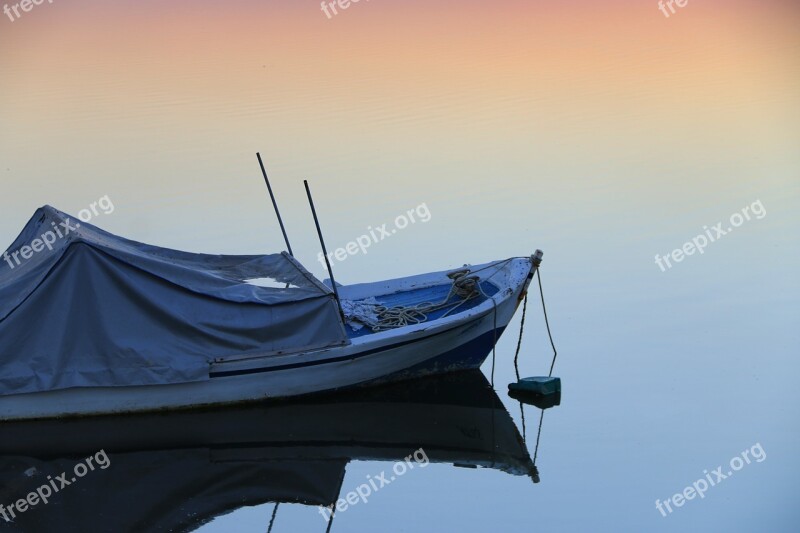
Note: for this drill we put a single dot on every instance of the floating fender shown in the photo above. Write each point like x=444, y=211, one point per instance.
x=543, y=392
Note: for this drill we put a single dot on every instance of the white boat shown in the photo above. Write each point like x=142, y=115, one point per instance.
x=311, y=348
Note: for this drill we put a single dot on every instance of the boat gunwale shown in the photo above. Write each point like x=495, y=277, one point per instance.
x=383, y=340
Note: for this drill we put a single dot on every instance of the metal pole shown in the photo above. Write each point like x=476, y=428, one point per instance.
x=275, y=204
x=324, y=249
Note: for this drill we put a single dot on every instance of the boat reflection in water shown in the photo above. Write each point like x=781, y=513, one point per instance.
x=177, y=471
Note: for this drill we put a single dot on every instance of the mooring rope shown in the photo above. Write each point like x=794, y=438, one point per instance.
x=330, y=521
x=538, y=436
x=522, y=328
x=535, y=472
x=547, y=323
x=494, y=344
x=519, y=340
x=272, y=522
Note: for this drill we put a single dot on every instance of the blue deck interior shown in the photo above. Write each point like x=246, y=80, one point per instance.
x=434, y=294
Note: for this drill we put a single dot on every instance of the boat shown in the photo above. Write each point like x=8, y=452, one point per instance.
x=178, y=471
x=95, y=324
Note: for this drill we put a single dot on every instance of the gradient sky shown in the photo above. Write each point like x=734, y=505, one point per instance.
x=149, y=101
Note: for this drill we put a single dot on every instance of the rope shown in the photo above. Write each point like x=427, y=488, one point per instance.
x=466, y=286
x=494, y=344
x=272, y=522
x=538, y=436
x=522, y=328
x=519, y=340
x=535, y=472
x=547, y=323
x=333, y=513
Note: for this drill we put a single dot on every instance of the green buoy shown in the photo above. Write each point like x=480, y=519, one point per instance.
x=541, y=385
x=541, y=392
x=537, y=400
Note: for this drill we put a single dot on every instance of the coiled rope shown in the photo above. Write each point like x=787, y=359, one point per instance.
x=466, y=286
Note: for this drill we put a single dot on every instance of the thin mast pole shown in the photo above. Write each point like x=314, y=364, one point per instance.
x=324, y=249
x=275, y=204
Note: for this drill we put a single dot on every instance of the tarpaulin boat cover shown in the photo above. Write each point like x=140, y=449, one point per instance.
x=80, y=307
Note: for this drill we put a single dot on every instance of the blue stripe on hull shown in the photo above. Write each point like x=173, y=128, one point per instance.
x=468, y=356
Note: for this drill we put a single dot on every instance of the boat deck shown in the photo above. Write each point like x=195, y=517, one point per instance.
x=414, y=297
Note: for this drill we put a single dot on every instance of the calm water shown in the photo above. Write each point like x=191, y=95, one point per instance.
x=602, y=133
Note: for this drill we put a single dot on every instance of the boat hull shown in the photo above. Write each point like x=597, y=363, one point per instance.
x=461, y=342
